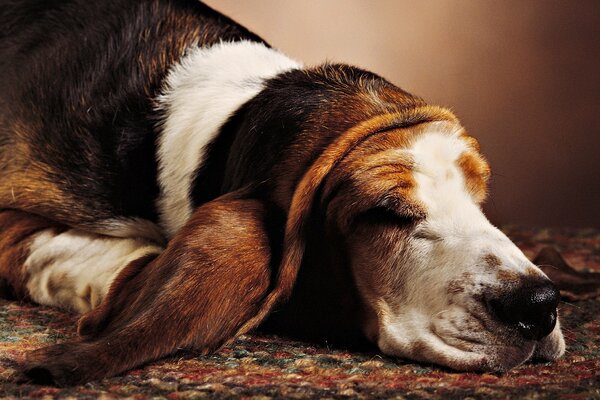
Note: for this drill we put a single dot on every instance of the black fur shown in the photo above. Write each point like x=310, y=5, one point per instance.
x=77, y=83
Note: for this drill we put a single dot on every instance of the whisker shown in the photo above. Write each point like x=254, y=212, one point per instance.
x=548, y=265
x=570, y=304
x=568, y=330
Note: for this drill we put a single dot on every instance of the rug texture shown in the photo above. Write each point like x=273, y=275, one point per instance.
x=259, y=367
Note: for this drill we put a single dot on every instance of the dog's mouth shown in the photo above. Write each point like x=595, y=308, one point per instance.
x=503, y=345
x=487, y=325
x=466, y=340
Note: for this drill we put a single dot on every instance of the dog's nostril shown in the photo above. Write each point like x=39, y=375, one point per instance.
x=531, y=308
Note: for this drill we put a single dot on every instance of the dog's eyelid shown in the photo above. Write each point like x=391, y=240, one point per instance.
x=426, y=234
x=385, y=215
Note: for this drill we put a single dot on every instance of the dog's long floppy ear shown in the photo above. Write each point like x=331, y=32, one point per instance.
x=209, y=281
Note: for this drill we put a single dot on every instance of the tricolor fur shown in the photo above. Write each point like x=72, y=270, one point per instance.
x=202, y=91
x=167, y=173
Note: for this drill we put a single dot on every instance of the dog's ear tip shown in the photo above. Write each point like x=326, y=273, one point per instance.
x=39, y=375
x=42, y=369
x=59, y=365
x=52, y=374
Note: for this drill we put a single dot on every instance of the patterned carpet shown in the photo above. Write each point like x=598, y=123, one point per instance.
x=257, y=367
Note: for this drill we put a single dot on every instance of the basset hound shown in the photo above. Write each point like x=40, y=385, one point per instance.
x=177, y=181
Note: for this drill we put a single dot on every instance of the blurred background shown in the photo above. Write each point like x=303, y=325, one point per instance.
x=523, y=76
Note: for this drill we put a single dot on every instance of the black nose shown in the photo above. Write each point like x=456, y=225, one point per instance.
x=531, y=308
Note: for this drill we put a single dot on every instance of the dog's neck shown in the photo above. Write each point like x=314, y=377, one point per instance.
x=201, y=93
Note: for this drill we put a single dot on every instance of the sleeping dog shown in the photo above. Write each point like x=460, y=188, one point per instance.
x=173, y=178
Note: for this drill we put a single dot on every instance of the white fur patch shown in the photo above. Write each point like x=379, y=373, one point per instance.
x=74, y=269
x=201, y=93
x=452, y=214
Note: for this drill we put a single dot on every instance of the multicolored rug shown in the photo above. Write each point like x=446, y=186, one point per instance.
x=258, y=367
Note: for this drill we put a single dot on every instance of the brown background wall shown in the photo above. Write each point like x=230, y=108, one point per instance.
x=523, y=76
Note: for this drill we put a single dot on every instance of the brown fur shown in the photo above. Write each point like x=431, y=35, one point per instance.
x=199, y=293
x=507, y=276
x=24, y=180
x=492, y=261
x=17, y=230
x=476, y=172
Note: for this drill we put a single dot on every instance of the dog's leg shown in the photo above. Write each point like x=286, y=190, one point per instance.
x=17, y=232
x=199, y=293
x=53, y=265
x=74, y=269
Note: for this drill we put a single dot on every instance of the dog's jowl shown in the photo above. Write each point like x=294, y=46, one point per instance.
x=169, y=175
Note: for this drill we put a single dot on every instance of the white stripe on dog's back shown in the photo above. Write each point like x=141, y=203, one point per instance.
x=201, y=93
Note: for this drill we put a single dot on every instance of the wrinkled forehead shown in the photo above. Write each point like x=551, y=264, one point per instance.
x=425, y=171
x=448, y=170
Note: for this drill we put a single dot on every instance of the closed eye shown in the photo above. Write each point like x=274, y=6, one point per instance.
x=384, y=216
x=427, y=235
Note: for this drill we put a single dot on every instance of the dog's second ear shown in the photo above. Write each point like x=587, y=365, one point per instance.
x=206, y=288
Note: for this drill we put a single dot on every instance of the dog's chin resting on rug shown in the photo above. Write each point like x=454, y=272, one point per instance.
x=183, y=183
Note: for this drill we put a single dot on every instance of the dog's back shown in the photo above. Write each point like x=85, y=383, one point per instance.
x=78, y=125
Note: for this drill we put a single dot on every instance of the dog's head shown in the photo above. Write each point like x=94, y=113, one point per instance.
x=438, y=283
